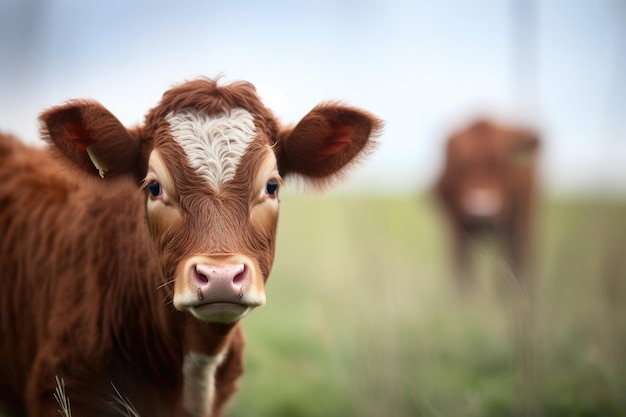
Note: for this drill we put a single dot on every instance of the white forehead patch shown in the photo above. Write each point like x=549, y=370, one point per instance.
x=213, y=144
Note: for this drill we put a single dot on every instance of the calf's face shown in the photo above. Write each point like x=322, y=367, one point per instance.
x=210, y=161
x=213, y=213
x=483, y=167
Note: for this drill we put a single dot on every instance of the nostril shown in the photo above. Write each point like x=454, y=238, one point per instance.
x=200, y=277
x=240, y=278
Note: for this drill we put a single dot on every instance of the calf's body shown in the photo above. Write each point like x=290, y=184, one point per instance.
x=487, y=186
x=129, y=256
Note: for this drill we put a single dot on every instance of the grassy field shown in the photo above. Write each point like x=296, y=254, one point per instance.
x=363, y=318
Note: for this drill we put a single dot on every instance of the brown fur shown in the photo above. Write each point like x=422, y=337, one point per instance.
x=500, y=161
x=86, y=279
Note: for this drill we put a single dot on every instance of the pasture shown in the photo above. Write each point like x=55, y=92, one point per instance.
x=363, y=318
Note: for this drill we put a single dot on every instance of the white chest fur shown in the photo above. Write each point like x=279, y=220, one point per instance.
x=199, y=383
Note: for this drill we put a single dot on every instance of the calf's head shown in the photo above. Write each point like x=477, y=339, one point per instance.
x=210, y=160
x=485, y=163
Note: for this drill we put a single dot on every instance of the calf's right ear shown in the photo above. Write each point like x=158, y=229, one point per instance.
x=92, y=138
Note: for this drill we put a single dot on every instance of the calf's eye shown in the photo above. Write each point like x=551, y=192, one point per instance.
x=272, y=187
x=155, y=189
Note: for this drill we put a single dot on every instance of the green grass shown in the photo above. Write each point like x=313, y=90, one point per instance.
x=363, y=317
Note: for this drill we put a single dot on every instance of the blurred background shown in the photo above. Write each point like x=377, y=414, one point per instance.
x=362, y=316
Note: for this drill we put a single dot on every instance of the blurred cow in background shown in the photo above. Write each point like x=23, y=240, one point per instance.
x=487, y=185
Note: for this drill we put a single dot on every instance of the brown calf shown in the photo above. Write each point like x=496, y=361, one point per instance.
x=136, y=281
x=487, y=185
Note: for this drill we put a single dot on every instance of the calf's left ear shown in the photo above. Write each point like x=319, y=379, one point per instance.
x=330, y=138
x=92, y=138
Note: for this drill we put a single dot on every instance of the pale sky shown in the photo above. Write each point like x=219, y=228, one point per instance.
x=422, y=66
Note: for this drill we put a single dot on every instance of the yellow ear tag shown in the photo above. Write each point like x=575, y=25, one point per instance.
x=96, y=162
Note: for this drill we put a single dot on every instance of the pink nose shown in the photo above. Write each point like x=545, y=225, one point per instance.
x=217, y=281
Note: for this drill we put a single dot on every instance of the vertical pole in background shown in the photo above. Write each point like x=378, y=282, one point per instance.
x=524, y=54
x=525, y=97
x=617, y=87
